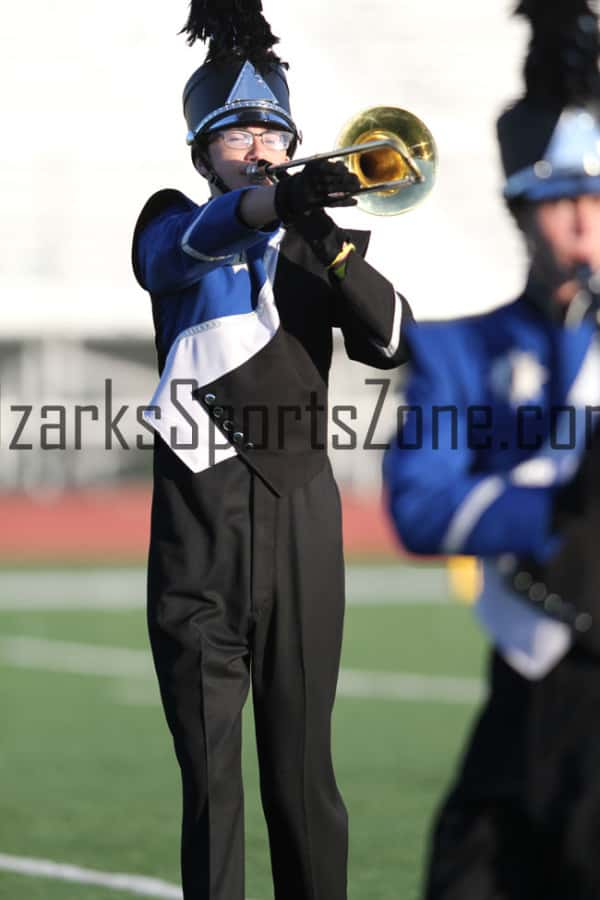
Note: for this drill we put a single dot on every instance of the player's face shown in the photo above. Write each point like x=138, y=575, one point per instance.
x=234, y=148
x=564, y=234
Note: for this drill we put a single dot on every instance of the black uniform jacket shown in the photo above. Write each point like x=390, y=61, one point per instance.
x=273, y=407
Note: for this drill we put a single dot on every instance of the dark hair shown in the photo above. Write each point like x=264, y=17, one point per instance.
x=199, y=150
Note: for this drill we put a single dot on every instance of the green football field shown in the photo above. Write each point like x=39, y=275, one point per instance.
x=89, y=782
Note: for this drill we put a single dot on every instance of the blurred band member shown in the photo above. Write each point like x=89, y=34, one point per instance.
x=246, y=578
x=514, y=478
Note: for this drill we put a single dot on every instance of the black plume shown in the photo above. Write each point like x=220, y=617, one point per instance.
x=562, y=63
x=234, y=28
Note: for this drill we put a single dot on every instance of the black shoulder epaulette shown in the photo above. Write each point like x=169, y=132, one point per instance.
x=157, y=204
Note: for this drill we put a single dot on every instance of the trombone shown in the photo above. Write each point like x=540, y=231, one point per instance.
x=390, y=150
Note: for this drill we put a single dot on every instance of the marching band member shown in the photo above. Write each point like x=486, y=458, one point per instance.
x=246, y=579
x=494, y=459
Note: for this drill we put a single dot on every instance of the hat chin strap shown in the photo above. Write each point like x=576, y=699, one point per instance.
x=217, y=181
x=213, y=177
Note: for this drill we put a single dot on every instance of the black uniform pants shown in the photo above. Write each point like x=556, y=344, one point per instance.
x=247, y=587
x=523, y=819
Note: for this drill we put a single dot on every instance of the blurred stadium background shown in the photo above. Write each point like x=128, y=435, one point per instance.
x=91, y=127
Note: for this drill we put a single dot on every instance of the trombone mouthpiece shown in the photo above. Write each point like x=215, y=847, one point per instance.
x=257, y=171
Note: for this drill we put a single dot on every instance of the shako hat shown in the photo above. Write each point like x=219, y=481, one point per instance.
x=242, y=80
x=550, y=138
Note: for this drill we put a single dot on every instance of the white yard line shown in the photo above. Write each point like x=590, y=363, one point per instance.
x=406, y=686
x=76, y=659
x=72, y=589
x=397, y=585
x=130, y=884
x=135, y=666
x=126, y=588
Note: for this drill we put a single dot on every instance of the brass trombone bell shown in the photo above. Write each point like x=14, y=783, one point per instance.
x=395, y=177
x=390, y=150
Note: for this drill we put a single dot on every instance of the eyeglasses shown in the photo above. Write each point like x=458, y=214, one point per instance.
x=237, y=139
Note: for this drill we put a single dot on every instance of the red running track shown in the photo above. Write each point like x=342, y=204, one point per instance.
x=111, y=525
